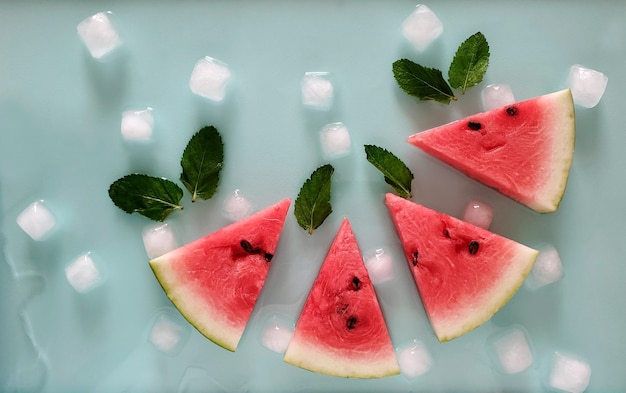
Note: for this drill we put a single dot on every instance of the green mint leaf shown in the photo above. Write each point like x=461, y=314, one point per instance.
x=396, y=173
x=422, y=82
x=313, y=202
x=202, y=162
x=470, y=63
x=153, y=197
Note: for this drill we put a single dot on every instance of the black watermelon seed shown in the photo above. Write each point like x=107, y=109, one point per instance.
x=356, y=283
x=473, y=247
x=247, y=247
x=268, y=257
x=414, y=258
x=446, y=233
x=511, y=111
x=473, y=125
x=351, y=322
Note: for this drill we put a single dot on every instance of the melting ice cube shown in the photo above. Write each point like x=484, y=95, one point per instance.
x=167, y=335
x=83, y=274
x=137, y=124
x=512, y=351
x=496, y=96
x=479, y=214
x=210, y=78
x=548, y=269
x=317, y=90
x=99, y=34
x=237, y=206
x=277, y=335
x=569, y=374
x=36, y=220
x=422, y=27
x=414, y=359
x=335, y=140
x=158, y=239
x=379, y=266
x=587, y=85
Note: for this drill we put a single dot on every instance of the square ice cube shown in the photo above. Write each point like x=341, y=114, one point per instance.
x=414, y=359
x=379, y=266
x=83, y=274
x=513, y=351
x=137, y=125
x=496, y=96
x=237, y=206
x=36, y=220
x=587, y=85
x=548, y=269
x=210, y=78
x=317, y=90
x=167, y=335
x=277, y=335
x=335, y=140
x=569, y=374
x=422, y=27
x=99, y=34
x=479, y=214
x=158, y=240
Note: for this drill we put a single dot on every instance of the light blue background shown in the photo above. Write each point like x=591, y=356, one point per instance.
x=60, y=141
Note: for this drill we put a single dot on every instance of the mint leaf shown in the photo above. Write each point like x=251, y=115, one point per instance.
x=470, y=63
x=422, y=82
x=396, y=173
x=313, y=202
x=202, y=162
x=153, y=197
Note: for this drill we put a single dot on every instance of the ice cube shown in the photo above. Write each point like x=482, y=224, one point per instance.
x=548, y=269
x=335, y=140
x=317, y=90
x=422, y=27
x=99, y=34
x=379, y=266
x=237, y=206
x=478, y=213
x=137, y=124
x=210, y=78
x=513, y=351
x=158, y=239
x=414, y=359
x=83, y=274
x=496, y=96
x=569, y=374
x=587, y=85
x=167, y=335
x=277, y=335
x=36, y=220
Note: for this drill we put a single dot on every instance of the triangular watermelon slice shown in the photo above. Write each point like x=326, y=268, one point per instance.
x=464, y=273
x=215, y=281
x=341, y=330
x=523, y=150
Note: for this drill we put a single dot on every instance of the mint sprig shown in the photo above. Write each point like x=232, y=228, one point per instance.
x=467, y=69
x=396, y=173
x=312, y=205
x=153, y=197
x=202, y=162
x=422, y=82
x=470, y=63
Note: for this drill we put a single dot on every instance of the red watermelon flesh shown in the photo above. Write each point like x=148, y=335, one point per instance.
x=215, y=281
x=341, y=330
x=523, y=150
x=464, y=273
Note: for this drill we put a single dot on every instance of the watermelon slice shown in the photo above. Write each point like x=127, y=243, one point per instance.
x=523, y=150
x=464, y=273
x=341, y=330
x=215, y=281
